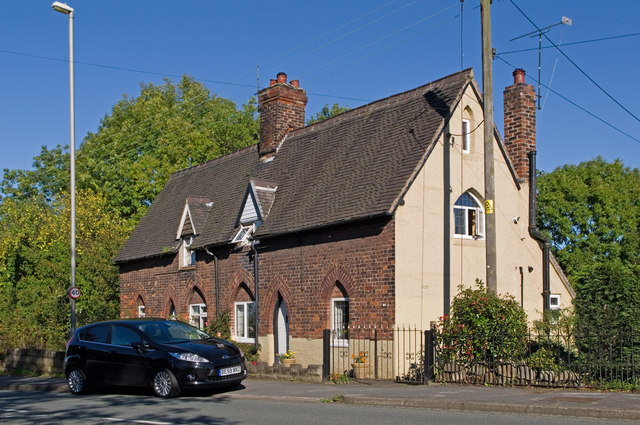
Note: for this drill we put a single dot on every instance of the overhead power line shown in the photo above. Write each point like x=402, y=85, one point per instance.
x=160, y=74
x=635, y=34
x=576, y=105
x=575, y=64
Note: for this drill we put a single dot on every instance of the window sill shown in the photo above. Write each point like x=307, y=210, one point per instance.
x=471, y=238
x=245, y=340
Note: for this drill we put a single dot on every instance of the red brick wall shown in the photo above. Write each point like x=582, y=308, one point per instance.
x=520, y=125
x=303, y=269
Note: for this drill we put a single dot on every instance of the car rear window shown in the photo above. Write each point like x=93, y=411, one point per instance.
x=95, y=334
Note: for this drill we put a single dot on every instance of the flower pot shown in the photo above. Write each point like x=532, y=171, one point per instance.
x=288, y=362
x=360, y=370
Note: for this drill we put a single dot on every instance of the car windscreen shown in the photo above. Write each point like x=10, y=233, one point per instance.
x=171, y=332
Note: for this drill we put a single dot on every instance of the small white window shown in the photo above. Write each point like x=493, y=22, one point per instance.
x=198, y=315
x=469, y=217
x=340, y=321
x=188, y=256
x=245, y=321
x=141, y=312
x=554, y=302
x=243, y=237
x=466, y=136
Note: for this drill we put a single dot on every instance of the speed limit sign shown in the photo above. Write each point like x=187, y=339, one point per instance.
x=74, y=292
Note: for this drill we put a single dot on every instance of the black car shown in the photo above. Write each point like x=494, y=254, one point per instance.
x=165, y=354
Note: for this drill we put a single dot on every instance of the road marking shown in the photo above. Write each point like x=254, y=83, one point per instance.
x=138, y=421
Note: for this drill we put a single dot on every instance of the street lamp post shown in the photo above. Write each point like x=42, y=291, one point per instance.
x=67, y=10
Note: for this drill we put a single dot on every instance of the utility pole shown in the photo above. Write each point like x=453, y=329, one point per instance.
x=489, y=179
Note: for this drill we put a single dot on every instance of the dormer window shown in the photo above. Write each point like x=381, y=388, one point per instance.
x=255, y=207
x=187, y=255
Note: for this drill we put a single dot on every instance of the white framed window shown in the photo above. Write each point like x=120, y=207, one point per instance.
x=141, y=311
x=340, y=321
x=554, y=302
x=198, y=315
x=187, y=255
x=469, y=217
x=245, y=321
x=466, y=136
x=243, y=237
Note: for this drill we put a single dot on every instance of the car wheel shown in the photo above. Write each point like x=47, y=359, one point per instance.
x=165, y=384
x=77, y=381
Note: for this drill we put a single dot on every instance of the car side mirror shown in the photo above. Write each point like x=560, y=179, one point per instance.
x=138, y=346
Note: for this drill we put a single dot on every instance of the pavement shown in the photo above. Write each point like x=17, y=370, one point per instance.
x=530, y=400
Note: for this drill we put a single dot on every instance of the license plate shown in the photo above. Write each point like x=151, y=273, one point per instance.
x=230, y=371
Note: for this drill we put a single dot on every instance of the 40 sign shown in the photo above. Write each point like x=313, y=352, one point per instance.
x=74, y=292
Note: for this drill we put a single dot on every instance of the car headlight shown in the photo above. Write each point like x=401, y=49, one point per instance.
x=190, y=357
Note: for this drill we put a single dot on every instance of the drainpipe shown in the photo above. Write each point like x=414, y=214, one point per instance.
x=535, y=233
x=216, y=281
x=256, y=281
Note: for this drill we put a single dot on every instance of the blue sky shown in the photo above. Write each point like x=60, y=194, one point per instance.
x=349, y=52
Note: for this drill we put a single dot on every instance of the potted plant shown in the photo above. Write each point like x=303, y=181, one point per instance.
x=287, y=358
x=360, y=366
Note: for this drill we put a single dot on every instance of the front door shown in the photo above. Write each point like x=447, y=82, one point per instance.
x=281, y=327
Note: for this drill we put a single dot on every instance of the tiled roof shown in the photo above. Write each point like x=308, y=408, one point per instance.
x=352, y=166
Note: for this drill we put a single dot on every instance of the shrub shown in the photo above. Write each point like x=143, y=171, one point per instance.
x=483, y=327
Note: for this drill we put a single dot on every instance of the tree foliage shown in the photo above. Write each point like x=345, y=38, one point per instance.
x=327, y=112
x=119, y=171
x=591, y=212
x=167, y=128
x=35, y=263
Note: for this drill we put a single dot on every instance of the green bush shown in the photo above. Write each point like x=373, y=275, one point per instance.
x=483, y=327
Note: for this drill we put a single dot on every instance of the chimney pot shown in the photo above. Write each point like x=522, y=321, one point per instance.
x=518, y=76
x=282, y=77
x=295, y=83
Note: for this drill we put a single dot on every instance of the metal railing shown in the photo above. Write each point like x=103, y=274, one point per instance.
x=375, y=353
x=598, y=359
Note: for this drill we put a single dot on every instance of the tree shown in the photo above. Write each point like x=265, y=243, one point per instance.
x=34, y=268
x=140, y=144
x=591, y=213
x=327, y=112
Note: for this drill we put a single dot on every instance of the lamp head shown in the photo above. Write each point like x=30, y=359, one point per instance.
x=62, y=8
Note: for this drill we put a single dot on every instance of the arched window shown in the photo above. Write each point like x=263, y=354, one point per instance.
x=340, y=316
x=198, y=310
x=469, y=217
x=172, y=311
x=245, y=316
x=141, y=307
x=467, y=135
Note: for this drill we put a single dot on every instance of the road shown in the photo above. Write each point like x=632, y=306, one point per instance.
x=20, y=407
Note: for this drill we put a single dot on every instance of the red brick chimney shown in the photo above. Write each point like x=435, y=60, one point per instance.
x=281, y=108
x=520, y=123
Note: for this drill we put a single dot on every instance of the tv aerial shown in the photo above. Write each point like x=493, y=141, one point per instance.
x=539, y=32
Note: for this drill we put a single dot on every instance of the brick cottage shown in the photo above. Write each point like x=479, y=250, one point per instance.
x=372, y=217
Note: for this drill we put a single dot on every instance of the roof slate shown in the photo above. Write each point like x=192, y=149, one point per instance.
x=355, y=165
